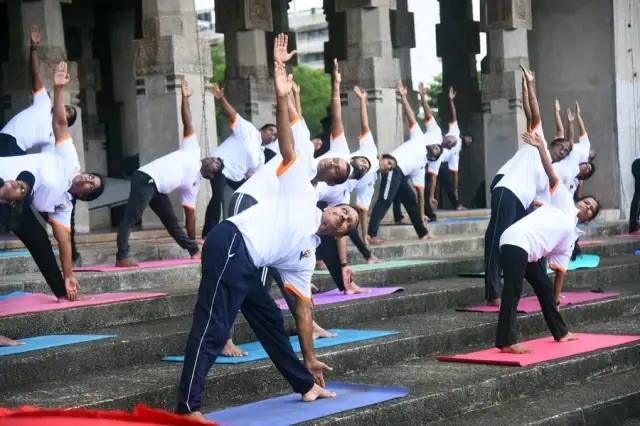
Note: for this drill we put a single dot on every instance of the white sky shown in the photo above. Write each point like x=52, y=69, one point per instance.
x=424, y=62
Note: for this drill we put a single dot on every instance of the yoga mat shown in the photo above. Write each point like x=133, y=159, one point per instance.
x=141, y=265
x=590, y=242
x=545, y=349
x=256, y=352
x=530, y=304
x=336, y=296
x=461, y=220
x=13, y=295
x=388, y=264
x=19, y=253
x=289, y=409
x=584, y=261
x=50, y=341
x=637, y=252
x=39, y=302
x=633, y=234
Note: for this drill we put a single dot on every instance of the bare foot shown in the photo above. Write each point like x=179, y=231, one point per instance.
x=126, y=263
x=5, y=341
x=376, y=240
x=568, y=338
x=494, y=302
x=321, y=265
x=198, y=416
x=317, y=392
x=197, y=255
x=321, y=332
x=515, y=349
x=231, y=350
x=373, y=260
x=429, y=237
x=353, y=288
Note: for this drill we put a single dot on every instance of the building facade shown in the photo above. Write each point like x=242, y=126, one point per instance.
x=128, y=57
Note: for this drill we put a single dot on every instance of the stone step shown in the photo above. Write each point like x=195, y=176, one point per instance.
x=391, y=360
x=601, y=400
x=151, y=328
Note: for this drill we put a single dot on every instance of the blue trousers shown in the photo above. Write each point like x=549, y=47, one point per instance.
x=231, y=282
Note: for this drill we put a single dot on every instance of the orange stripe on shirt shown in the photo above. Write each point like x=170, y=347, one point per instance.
x=59, y=225
x=37, y=91
x=364, y=134
x=432, y=173
x=554, y=187
x=284, y=167
x=363, y=208
x=65, y=139
x=428, y=120
x=557, y=268
x=188, y=207
x=337, y=135
x=292, y=289
x=293, y=120
x=188, y=136
x=233, y=121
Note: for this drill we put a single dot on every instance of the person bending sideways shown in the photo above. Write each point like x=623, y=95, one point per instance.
x=280, y=232
x=550, y=231
x=180, y=170
x=58, y=178
x=523, y=180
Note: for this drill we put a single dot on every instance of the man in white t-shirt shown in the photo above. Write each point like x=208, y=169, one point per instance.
x=548, y=232
x=180, y=170
x=281, y=232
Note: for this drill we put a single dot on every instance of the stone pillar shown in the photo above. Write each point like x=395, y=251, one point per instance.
x=506, y=23
x=403, y=39
x=280, y=13
x=458, y=43
x=370, y=64
x=247, y=84
x=169, y=52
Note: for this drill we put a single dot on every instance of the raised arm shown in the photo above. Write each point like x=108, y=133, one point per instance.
x=229, y=111
x=336, y=107
x=424, y=99
x=186, y=110
x=581, y=127
x=536, y=140
x=525, y=101
x=452, y=105
x=364, y=115
x=559, y=126
x=408, y=111
x=36, y=81
x=533, y=99
x=60, y=126
x=282, y=85
x=296, y=96
x=571, y=136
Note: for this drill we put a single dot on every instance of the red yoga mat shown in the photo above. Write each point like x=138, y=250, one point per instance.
x=530, y=304
x=152, y=264
x=39, y=302
x=545, y=349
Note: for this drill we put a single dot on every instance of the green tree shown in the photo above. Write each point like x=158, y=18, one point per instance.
x=219, y=66
x=434, y=90
x=315, y=95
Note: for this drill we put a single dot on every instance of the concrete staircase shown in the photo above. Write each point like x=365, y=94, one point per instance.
x=597, y=388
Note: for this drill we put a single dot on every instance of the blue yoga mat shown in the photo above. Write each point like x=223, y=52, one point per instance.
x=462, y=219
x=51, y=341
x=13, y=295
x=583, y=261
x=18, y=253
x=637, y=252
x=289, y=409
x=256, y=351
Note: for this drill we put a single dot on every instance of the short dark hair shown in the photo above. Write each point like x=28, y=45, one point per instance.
x=558, y=141
x=93, y=195
x=318, y=136
x=266, y=126
x=587, y=176
x=349, y=205
x=343, y=179
x=596, y=211
x=72, y=119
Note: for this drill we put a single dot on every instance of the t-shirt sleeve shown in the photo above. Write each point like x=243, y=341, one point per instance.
x=298, y=282
x=433, y=167
x=582, y=148
x=339, y=145
x=454, y=130
x=68, y=163
x=190, y=143
x=559, y=261
x=189, y=196
x=244, y=130
x=364, y=195
x=367, y=143
x=417, y=178
x=432, y=127
x=454, y=161
x=62, y=216
x=562, y=199
x=415, y=131
x=41, y=99
x=294, y=176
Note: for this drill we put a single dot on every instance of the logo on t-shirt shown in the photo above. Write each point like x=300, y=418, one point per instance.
x=305, y=254
x=59, y=207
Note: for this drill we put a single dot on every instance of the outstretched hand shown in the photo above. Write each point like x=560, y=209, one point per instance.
x=533, y=139
x=61, y=76
x=421, y=89
x=35, y=35
x=577, y=108
x=282, y=82
x=527, y=74
x=360, y=93
x=401, y=89
x=218, y=92
x=296, y=88
x=186, y=91
x=280, y=53
x=452, y=93
x=317, y=369
x=557, y=105
x=570, y=116
x=337, y=77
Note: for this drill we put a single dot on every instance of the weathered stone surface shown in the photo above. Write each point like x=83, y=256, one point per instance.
x=344, y=5
x=505, y=14
x=240, y=15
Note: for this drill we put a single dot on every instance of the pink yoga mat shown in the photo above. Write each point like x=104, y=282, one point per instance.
x=336, y=296
x=141, y=265
x=633, y=234
x=590, y=242
x=530, y=304
x=39, y=302
x=545, y=349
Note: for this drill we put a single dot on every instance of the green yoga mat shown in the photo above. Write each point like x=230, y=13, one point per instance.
x=584, y=261
x=388, y=264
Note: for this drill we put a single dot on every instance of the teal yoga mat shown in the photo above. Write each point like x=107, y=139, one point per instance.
x=584, y=261
x=50, y=341
x=388, y=264
x=289, y=409
x=256, y=351
x=19, y=253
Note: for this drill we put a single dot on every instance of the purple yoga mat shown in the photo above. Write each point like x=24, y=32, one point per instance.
x=336, y=296
x=530, y=304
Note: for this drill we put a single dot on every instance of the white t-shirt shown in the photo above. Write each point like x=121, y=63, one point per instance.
x=451, y=156
x=264, y=183
x=241, y=152
x=550, y=231
x=280, y=232
x=411, y=157
x=33, y=126
x=432, y=133
x=178, y=170
x=580, y=150
x=54, y=170
x=525, y=176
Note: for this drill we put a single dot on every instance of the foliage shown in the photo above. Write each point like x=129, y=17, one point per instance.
x=315, y=95
x=219, y=65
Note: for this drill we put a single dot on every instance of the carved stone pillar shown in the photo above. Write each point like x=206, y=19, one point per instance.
x=403, y=39
x=506, y=23
x=280, y=13
x=169, y=52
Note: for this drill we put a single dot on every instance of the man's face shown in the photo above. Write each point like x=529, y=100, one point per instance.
x=209, y=167
x=317, y=143
x=15, y=190
x=339, y=220
x=449, y=141
x=587, y=209
x=433, y=152
x=332, y=170
x=386, y=165
x=84, y=184
x=585, y=170
x=559, y=151
x=269, y=135
x=360, y=167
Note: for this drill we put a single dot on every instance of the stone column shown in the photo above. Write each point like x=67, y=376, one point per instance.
x=506, y=23
x=247, y=84
x=169, y=52
x=403, y=39
x=458, y=43
x=280, y=13
x=370, y=64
